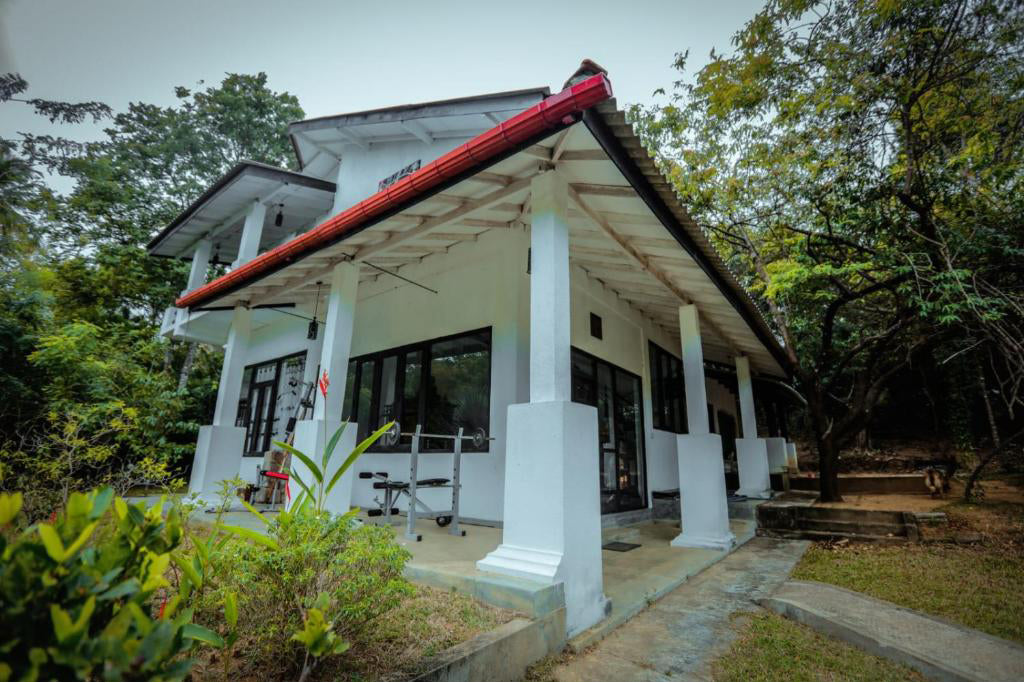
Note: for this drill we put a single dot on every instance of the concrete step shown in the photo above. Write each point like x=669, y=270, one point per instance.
x=854, y=527
x=810, y=535
x=939, y=649
x=852, y=515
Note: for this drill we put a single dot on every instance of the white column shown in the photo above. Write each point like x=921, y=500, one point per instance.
x=252, y=233
x=219, y=446
x=552, y=512
x=200, y=264
x=549, y=274
x=311, y=436
x=751, y=452
x=703, y=502
x=233, y=367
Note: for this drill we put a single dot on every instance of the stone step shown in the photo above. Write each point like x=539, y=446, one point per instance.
x=810, y=535
x=854, y=527
x=852, y=515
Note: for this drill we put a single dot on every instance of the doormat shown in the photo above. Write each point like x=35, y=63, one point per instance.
x=619, y=546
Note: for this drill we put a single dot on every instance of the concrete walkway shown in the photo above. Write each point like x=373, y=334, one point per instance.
x=939, y=649
x=678, y=636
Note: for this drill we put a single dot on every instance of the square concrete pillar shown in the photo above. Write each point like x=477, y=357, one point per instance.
x=311, y=436
x=791, y=458
x=776, y=454
x=751, y=452
x=218, y=457
x=752, y=459
x=552, y=529
x=219, y=447
x=704, y=505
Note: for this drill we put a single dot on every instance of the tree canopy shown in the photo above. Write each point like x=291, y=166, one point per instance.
x=860, y=165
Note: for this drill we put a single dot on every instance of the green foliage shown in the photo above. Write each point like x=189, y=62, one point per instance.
x=91, y=394
x=316, y=492
x=306, y=589
x=859, y=165
x=85, y=597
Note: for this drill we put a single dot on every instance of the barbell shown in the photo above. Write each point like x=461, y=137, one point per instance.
x=391, y=437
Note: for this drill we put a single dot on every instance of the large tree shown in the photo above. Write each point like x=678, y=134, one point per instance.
x=79, y=296
x=860, y=165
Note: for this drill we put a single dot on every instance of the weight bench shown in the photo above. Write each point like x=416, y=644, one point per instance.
x=393, y=490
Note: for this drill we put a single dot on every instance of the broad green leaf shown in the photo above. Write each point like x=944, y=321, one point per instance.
x=317, y=474
x=329, y=450
x=80, y=541
x=231, y=610
x=257, y=513
x=251, y=535
x=366, y=443
x=10, y=505
x=202, y=634
x=294, y=476
x=187, y=569
x=52, y=543
x=101, y=502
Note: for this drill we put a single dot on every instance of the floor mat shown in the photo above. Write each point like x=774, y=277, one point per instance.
x=619, y=546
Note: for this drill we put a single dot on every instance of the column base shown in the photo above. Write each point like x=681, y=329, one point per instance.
x=311, y=438
x=776, y=454
x=752, y=458
x=552, y=527
x=218, y=457
x=704, y=504
x=685, y=540
x=791, y=460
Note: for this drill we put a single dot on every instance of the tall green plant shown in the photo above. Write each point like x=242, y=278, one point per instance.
x=319, y=488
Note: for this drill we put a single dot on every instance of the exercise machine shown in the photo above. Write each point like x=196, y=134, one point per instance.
x=394, y=490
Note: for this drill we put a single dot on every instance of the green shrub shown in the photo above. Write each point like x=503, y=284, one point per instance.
x=86, y=597
x=318, y=577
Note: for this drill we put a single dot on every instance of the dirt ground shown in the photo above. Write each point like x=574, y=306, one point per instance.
x=994, y=491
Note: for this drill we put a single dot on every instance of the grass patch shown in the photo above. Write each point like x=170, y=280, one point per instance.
x=772, y=648
x=979, y=585
x=401, y=644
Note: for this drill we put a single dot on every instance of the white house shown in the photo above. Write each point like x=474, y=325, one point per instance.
x=512, y=262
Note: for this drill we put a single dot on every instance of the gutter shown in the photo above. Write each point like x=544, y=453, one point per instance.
x=537, y=122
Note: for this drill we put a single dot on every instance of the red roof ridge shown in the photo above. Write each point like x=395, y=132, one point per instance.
x=557, y=109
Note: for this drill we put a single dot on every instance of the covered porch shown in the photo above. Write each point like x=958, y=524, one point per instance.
x=564, y=243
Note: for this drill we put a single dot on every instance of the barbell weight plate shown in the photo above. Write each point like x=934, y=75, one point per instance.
x=479, y=438
x=392, y=436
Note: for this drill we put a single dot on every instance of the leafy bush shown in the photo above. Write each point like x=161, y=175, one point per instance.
x=310, y=586
x=78, y=596
x=333, y=571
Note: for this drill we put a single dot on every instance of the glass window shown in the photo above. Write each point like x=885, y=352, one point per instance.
x=442, y=385
x=270, y=395
x=668, y=391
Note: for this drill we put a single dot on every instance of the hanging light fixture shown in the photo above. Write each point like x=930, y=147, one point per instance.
x=312, y=331
x=279, y=219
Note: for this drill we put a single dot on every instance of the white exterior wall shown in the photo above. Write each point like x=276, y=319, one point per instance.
x=481, y=284
x=361, y=169
x=484, y=284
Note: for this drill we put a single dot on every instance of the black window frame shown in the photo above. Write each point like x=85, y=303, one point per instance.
x=242, y=418
x=401, y=353
x=660, y=393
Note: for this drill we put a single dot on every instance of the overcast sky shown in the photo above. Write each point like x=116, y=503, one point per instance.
x=346, y=56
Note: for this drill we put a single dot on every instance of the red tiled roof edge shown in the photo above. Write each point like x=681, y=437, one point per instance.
x=505, y=136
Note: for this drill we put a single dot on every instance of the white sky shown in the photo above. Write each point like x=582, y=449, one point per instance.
x=340, y=56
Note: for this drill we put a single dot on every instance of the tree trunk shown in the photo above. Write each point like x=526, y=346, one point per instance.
x=988, y=407
x=828, y=451
x=168, y=356
x=976, y=473
x=828, y=469
x=186, y=366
